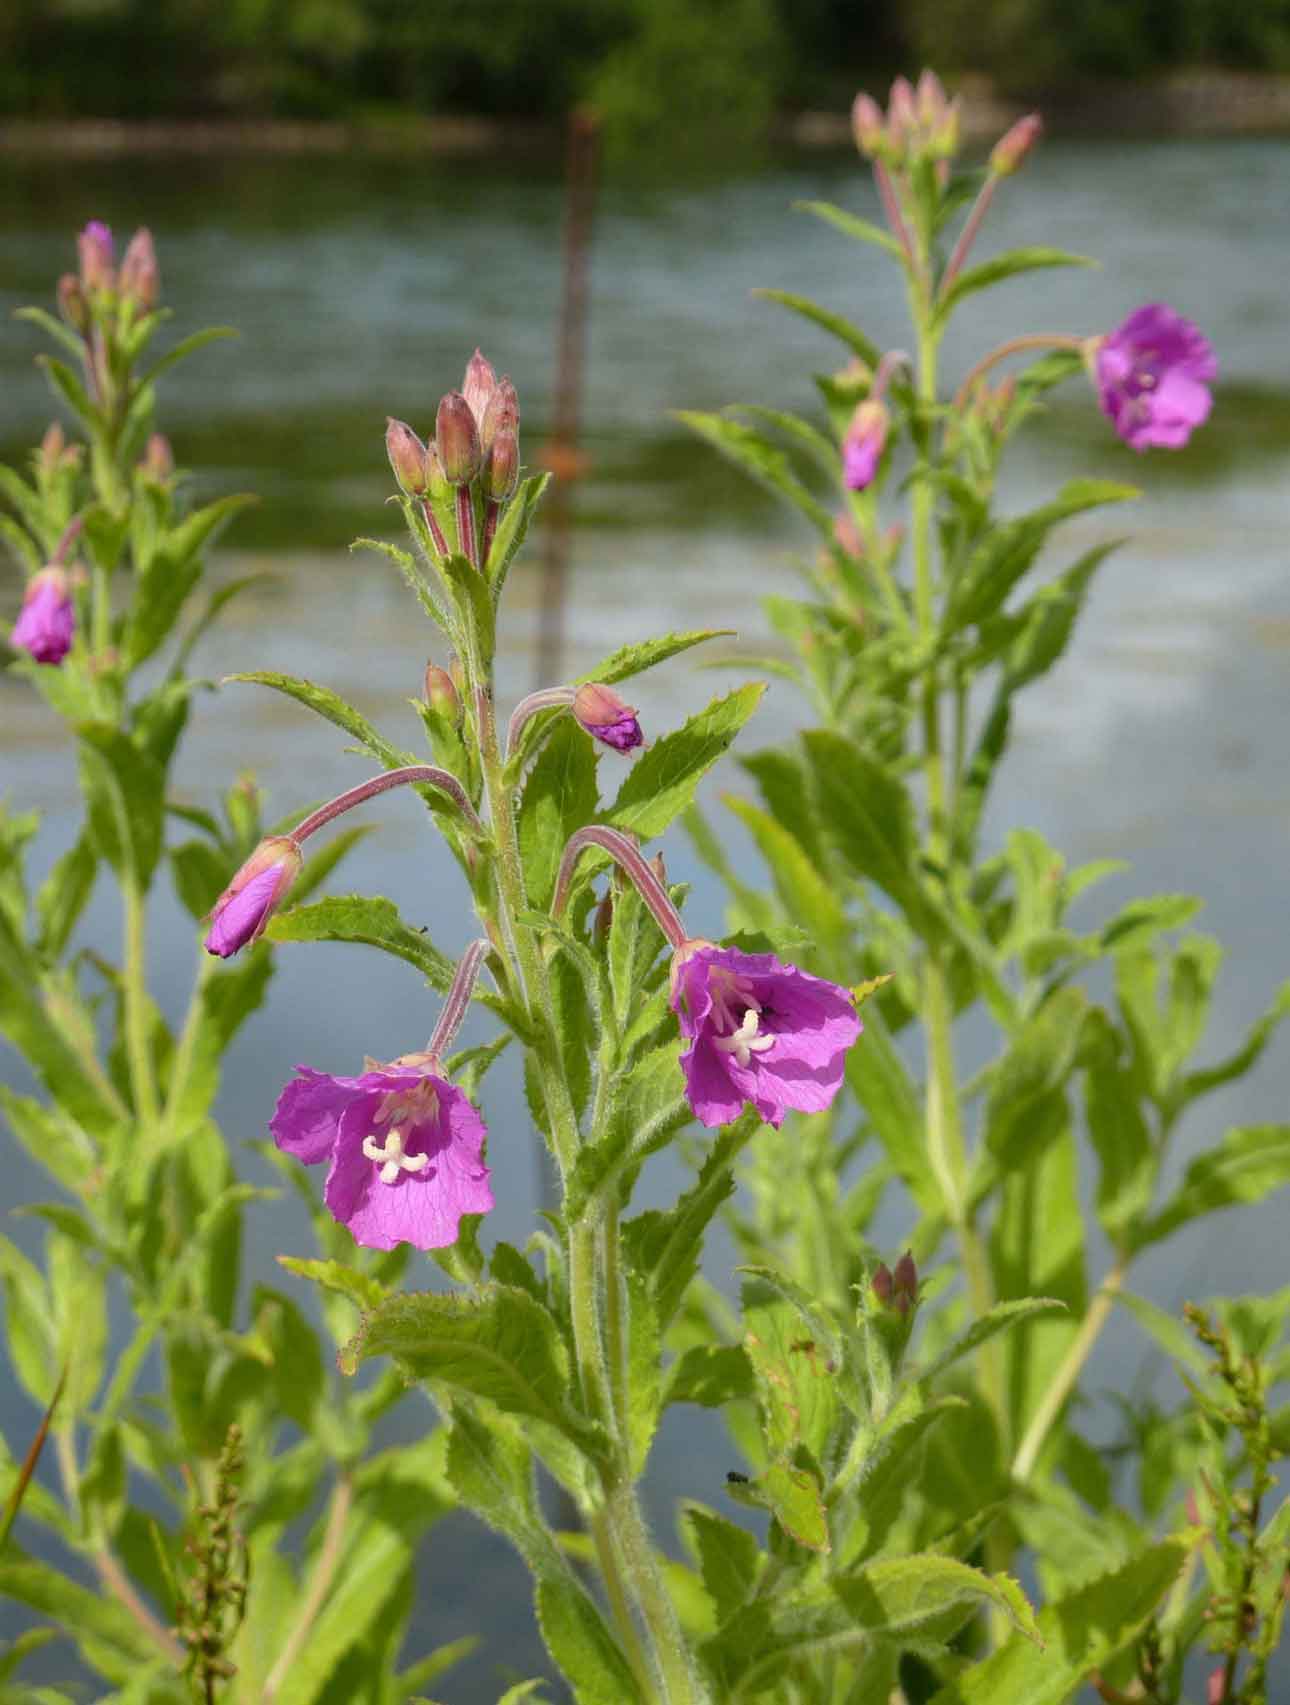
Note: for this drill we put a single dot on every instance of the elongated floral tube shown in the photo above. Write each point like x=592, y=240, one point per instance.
x=546, y=698
x=413, y=775
x=627, y=856
x=457, y=1001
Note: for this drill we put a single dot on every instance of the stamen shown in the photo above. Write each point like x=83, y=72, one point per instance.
x=744, y=1042
x=389, y=1156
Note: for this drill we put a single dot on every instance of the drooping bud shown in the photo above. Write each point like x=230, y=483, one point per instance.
x=251, y=898
x=479, y=384
x=864, y=443
x=94, y=245
x=441, y=695
x=158, y=462
x=904, y=1283
x=72, y=304
x=139, y=280
x=1009, y=153
x=407, y=457
x=47, y=621
x=867, y=125
x=457, y=439
x=602, y=714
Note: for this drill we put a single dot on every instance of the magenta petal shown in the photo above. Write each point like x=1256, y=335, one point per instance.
x=307, y=1117
x=710, y=1087
x=1153, y=374
x=240, y=917
x=47, y=621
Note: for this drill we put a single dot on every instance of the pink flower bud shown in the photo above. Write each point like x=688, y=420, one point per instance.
x=51, y=448
x=902, y=117
x=407, y=457
x=47, y=622
x=881, y=1284
x=929, y=100
x=867, y=125
x=72, y=304
x=158, y=462
x=251, y=898
x=602, y=714
x=479, y=384
x=1009, y=152
x=441, y=695
x=904, y=1282
x=864, y=444
x=457, y=439
x=94, y=246
x=503, y=411
x=502, y=465
x=139, y=281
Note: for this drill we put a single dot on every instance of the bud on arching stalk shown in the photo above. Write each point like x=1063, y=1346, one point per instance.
x=601, y=713
x=251, y=898
x=1009, y=153
x=864, y=444
x=457, y=440
x=441, y=695
x=139, y=281
x=407, y=458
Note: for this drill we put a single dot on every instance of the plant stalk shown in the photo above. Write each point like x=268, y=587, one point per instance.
x=1068, y=1371
x=143, y=1082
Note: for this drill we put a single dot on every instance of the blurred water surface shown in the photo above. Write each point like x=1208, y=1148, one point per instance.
x=360, y=286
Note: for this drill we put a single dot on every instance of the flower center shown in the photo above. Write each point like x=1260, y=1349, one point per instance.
x=744, y=1042
x=399, y=1111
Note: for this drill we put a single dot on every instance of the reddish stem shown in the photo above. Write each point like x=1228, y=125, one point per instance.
x=466, y=525
x=436, y=531
x=426, y=775
x=457, y=1001
x=628, y=858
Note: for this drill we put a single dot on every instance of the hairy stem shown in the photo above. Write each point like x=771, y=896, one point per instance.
x=143, y=1082
x=1014, y=346
x=412, y=775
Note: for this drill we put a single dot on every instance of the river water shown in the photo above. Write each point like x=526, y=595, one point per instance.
x=360, y=286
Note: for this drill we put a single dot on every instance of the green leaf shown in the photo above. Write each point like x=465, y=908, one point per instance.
x=1037, y=1065
x=1169, y=1332
x=796, y=1387
x=759, y=456
x=792, y=1495
x=71, y=341
x=904, y=1595
x=808, y=898
x=1079, y=1634
x=1250, y=1163
x=649, y=1107
x=52, y=1138
x=109, y=1638
x=729, y=1557
x=644, y=1378
x=999, y=267
x=997, y=564
x=560, y=795
x=360, y=1288
x=374, y=922
x=1127, y=1161
x=513, y=528
x=661, y=785
x=835, y=324
x=868, y=815
x=1236, y=1065
x=125, y=794
x=1001, y=1318
x=710, y=1375
x=69, y=387
x=201, y=874
x=64, y=894
x=490, y=1468
x=1139, y=922
x=335, y=709
x=863, y=230
x=880, y=1081
x=183, y=349
x=578, y=1640
x=635, y=658
x=499, y=1343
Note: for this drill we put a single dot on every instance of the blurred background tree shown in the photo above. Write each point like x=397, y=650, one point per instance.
x=642, y=61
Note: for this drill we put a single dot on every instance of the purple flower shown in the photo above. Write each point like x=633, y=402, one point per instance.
x=759, y=1031
x=405, y=1149
x=601, y=713
x=1153, y=374
x=252, y=897
x=864, y=444
x=48, y=618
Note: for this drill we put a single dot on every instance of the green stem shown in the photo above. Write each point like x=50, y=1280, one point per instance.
x=143, y=1082
x=186, y=1048
x=1068, y=1371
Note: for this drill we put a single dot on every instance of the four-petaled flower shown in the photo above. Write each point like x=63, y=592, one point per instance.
x=1153, y=374
x=48, y=617
x=405, y=1148
x=759, y=1031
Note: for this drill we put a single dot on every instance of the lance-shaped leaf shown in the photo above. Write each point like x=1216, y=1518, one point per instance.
x=869, y=817
x=335, y=709
x=636, y=657
x=499, y=1343
x=793, y=1497
x=125, y=793
x=999, y=267
x=1250, y=1163
x=835, y=324
x=729, y=1557
x=760, y=457
x=863, y=230
x=1079, y=1633
x=661, y=785
x=931, y=1595
x=513, y=528
x=374, y=922
x=561, y=794
x=1001, y=1318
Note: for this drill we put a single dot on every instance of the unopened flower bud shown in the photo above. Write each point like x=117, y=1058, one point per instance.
x=94, y=245
x=881, y=1284
x=479, y=384
x=503, y=412
x=502, y=465
x=602, y=918
x=441, y=695
x=602, y=714
x=251, y=898
x=51, y=448
x=864, y=444
x=902, y=118
x=904, y=1283
x=867, y=125
x=158, y=462
x=139, y=280
x=72, y=304
x=929, y=101
x=407, y=457
x=47, y=621
x=847, y=536
x=457, y=439
x=1009, y=152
